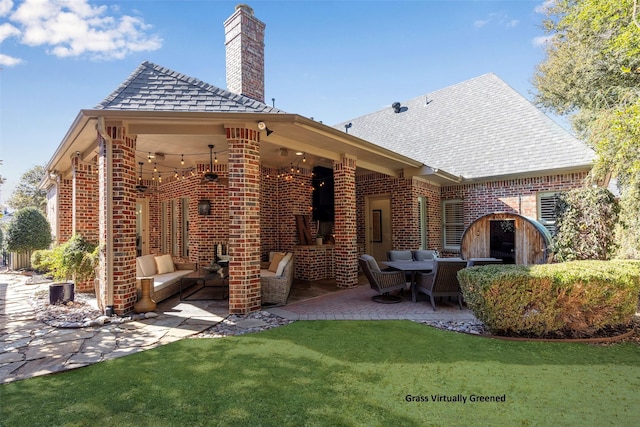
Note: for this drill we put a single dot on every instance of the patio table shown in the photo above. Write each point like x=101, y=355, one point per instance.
x=206, y=279
x=411, y=267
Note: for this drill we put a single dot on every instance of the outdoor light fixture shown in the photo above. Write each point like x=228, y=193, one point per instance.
x=204, y=206
x=263, y=126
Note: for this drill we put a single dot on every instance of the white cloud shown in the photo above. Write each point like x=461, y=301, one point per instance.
x=545, y=6
x=541, y=40
x=73, y=28
x=5, y=7
x=8, y=61
x=7, y=30
x=497, y=18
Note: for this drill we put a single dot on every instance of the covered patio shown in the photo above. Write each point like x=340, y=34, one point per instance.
x=133, y=181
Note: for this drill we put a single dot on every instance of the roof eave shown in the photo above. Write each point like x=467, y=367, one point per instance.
x=579, y=168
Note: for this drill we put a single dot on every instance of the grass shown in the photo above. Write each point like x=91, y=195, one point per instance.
x=340, y=373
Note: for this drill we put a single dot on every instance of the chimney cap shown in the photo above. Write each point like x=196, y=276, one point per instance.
x=245, y=7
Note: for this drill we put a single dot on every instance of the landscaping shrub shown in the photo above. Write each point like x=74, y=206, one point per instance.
x=28, y=231
x=586, y=218
x=75, y=259
x=574, y=299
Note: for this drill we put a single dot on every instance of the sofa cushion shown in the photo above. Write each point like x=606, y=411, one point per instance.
x=161, y=281
x=148, y=265
x=283, y=263
x=139, y=272
x=275, y=261
x=165, y=264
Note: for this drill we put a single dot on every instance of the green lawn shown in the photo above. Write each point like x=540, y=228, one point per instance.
x=340, y=373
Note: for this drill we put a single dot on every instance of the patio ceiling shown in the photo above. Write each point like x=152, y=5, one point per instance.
x=171, y=137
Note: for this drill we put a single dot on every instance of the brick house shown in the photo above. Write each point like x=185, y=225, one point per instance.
x=132, y=172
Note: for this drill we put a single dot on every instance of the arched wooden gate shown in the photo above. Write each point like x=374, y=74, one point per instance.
x=509, y=236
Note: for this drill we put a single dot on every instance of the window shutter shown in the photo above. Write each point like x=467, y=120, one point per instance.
x=547, y=210
x=453, y=227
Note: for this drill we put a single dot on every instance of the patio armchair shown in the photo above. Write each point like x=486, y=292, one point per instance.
x=382, y=282
x=424, y=255
x=442, y=281
x=276, y=278
x=399, y=256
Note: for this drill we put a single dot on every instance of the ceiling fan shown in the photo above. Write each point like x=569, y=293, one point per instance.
x=141, y=187
x=210, y=175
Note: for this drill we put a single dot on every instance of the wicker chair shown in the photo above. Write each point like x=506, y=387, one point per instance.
x=442, y=281
x=275, y=289
x=382, y=282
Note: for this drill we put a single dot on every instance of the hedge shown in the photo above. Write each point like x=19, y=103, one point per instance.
x=575, y=298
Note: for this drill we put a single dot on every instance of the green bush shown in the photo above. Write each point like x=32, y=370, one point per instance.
x=586, y=219
x=42, y=261
x=75, y=259
x=573, y=299
x=28, y=231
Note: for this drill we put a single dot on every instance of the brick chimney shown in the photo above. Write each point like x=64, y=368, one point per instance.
x=244, y=42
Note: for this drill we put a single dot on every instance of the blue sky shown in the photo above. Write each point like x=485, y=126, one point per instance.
x=330, y=60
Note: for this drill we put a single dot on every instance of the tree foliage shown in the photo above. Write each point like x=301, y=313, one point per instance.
x=28, y=231
x=26, y=193
x=592, y=74
x=586, y=218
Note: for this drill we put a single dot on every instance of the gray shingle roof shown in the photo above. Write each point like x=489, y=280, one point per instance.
x=475, y=129
x=154, y=88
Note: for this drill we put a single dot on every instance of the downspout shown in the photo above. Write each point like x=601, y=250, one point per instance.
x=109, y=214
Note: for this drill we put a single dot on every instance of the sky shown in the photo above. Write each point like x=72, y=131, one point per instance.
x=328, y=60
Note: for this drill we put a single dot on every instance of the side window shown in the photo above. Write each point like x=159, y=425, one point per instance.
x=547, y=210
x=452, y=224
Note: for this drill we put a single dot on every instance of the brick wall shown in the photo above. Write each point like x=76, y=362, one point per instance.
x=515, y=195
x=85, y=199
x=64, y=214
x=405, y=213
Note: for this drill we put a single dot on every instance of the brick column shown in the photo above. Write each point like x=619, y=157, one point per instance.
x=117, y=217
x=244, y=220
x=85, y=199
x=346, y=248
x=64, y=213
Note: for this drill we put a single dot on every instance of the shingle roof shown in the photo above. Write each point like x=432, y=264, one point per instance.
x=475, y=129
x=154, y=88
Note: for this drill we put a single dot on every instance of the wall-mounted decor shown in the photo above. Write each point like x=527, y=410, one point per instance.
x=204, y=207
x=376, y=222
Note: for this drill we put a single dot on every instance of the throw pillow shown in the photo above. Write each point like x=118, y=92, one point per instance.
x=283, y=263
x=165, y=264
x=148, y=265
x=275, y=260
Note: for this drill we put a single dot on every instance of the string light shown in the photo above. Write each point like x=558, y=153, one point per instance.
x=182, y=159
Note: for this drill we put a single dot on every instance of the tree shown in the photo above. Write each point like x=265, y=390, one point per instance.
x=585, y=222
x=592, y=75
x=28, y=231
x=27, y=194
